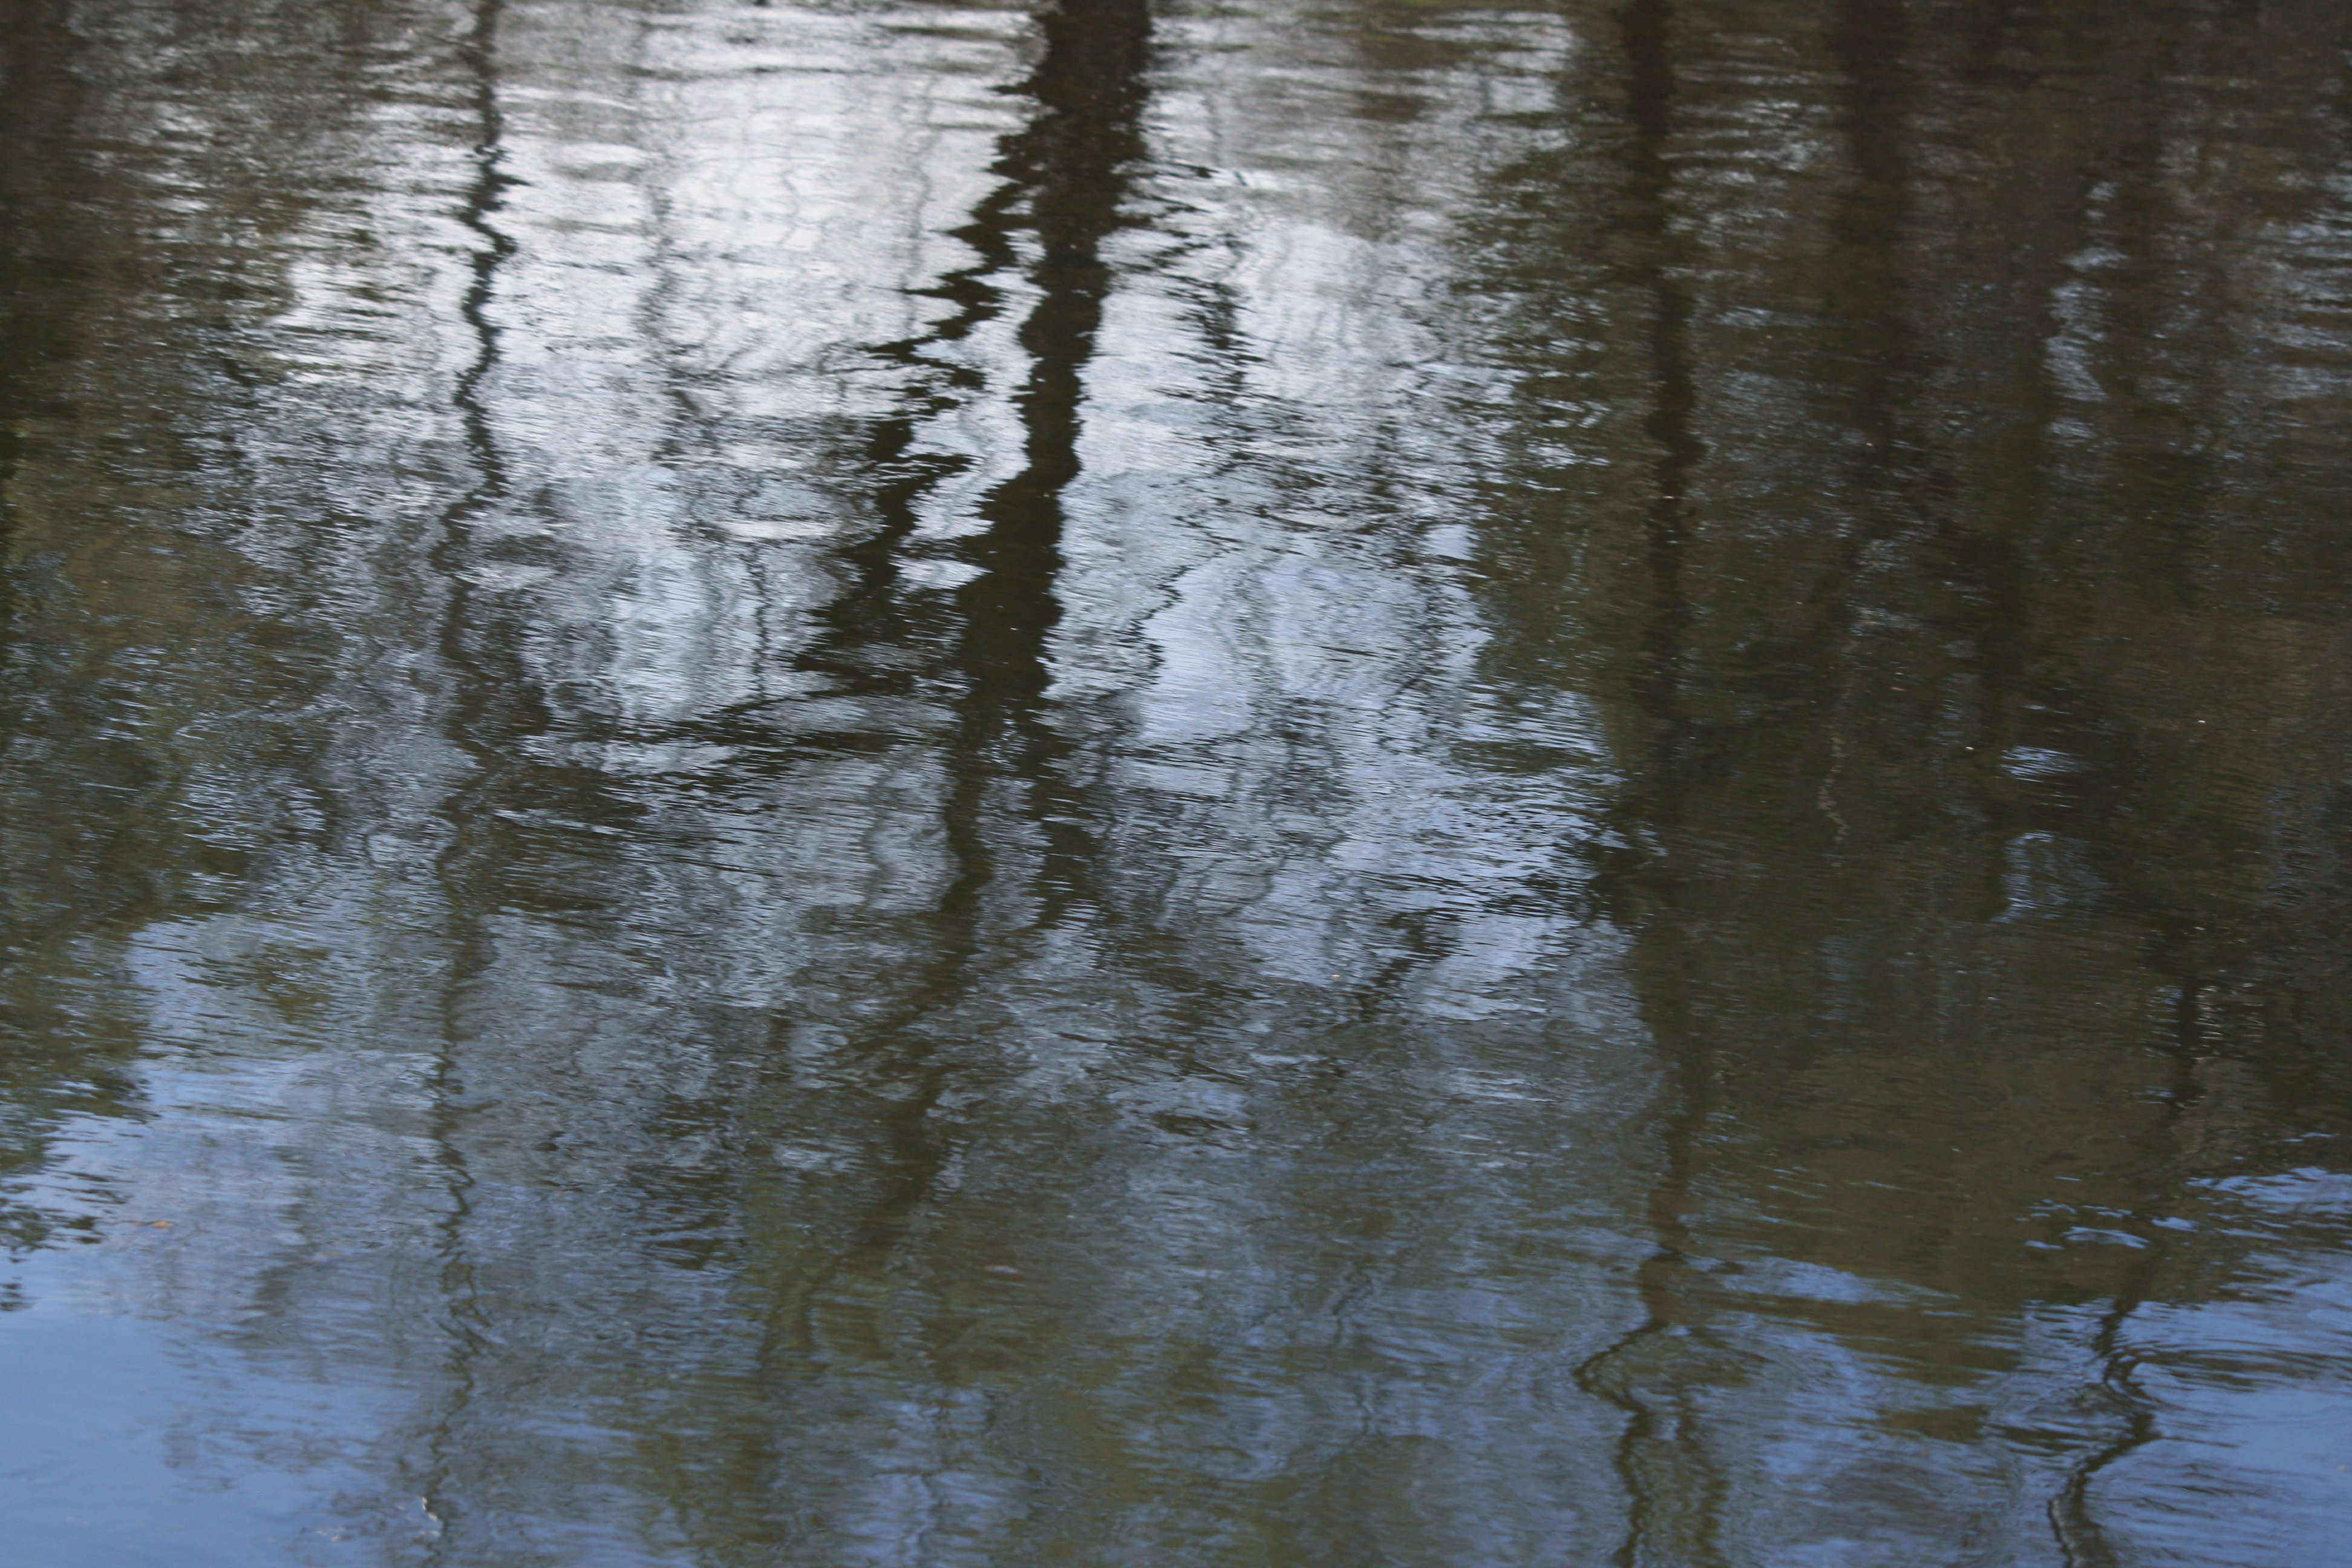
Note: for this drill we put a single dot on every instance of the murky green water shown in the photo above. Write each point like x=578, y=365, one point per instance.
x=1307, y=784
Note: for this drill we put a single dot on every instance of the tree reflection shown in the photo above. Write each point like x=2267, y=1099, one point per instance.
x=1406, y=784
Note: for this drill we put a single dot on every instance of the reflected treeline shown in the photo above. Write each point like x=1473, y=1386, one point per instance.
x=1982, y=921
x=128, y=309
x=38, y=1089
x=1412, y=784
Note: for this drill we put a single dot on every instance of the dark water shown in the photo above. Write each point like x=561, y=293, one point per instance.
x=1278, y=783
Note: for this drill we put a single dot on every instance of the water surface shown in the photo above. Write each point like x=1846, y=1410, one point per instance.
x=1314, y=783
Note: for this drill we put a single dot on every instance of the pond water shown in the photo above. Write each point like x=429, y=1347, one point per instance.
x=1307, y=782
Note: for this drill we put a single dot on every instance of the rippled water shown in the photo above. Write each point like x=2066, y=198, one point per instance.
x=1255, y=783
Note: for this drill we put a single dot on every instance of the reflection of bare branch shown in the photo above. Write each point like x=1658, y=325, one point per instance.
x=466, y=1328
x=1672, y=1490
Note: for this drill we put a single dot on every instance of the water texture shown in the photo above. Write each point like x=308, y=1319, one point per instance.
x=1302, y=783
